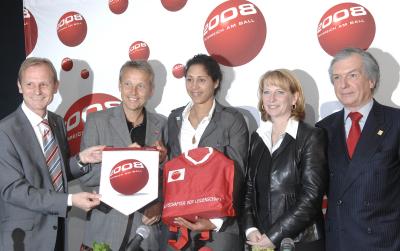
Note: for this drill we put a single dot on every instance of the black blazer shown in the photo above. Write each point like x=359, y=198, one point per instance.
x=364, y=192
x=285, y=190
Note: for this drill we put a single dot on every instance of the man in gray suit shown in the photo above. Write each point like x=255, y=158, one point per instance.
x=35, y=166
x=126, y=125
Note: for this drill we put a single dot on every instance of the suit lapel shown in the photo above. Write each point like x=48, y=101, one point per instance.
x=215, y=120
x=27, y=135
x=118, y=124
x=173, y=132
x=153, y=129
x=339, y=139
x=370, y=140
x=281, y=149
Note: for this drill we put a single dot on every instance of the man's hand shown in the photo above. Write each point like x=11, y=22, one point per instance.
x=85, y=200
x=199, y=225
x=162, y=150
x=92, y=154
x=152, y=214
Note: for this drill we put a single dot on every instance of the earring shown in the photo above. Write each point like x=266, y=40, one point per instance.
x=262, y=107
x=293, y=107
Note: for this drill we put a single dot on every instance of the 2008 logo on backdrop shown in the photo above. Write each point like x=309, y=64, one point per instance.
x=346, y=25
x=234, y=33
x=71, y=28
x=75, y=117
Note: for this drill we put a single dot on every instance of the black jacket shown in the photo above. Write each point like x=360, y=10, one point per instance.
x=285, y=190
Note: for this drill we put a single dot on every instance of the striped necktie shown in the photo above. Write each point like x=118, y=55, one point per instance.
x=52, y=156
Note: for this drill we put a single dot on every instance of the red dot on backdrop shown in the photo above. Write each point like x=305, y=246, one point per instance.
x=71, y=29
x=84, y=74
x=139, y=50
x=75, y=116
x=234, y=33
x=173, y=5
x=30, y=31
x=178, y=70
x=67, y=64
x=346, y=25
x=129, y=176
x=118, y=6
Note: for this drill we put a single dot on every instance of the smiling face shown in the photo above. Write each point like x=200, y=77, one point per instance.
x=351, y=83
x=135, y=87
x=199, y=85
x=277, y=101
x=37, y=86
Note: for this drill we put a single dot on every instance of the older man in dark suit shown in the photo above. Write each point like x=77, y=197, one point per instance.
x=35, y=166
x=364, y=160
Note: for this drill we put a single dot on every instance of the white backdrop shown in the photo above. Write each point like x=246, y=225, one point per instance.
x=175, y=36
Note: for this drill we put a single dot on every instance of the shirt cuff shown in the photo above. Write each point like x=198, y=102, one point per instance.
x=69, y=203
x=249, y=230
x=218, y=223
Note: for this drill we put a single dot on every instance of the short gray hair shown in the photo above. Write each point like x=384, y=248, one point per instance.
x=32, y=61
x=138, y=65
x=371, y=66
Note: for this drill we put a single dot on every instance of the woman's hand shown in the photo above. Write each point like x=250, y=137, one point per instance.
x=200, y=224
x=152, y=214
x=256, y=239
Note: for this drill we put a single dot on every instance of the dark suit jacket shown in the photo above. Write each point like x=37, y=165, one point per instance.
x=109, y=127
x=364, y=192
x=29, y=206
x=227, y=132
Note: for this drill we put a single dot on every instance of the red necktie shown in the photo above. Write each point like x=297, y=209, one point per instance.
x=354, y=133
x=52, y=155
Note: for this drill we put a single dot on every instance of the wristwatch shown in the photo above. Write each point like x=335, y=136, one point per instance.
x=80, y=163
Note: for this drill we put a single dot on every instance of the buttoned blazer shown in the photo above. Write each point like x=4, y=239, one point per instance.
x=228, y=133
x=109, y=127
x=364, y=192
x=29, y=206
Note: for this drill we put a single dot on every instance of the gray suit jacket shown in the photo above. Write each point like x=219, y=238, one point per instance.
x=228, y=133
x=109, y=128
x=29, y=206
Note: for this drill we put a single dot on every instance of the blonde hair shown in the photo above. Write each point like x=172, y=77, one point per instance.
x=284, y=79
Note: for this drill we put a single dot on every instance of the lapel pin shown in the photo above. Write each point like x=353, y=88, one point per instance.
x=178, y=118
x=380, y=132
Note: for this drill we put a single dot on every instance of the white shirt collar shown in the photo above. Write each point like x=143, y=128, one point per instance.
x=364, y=110
x=33, y=118
x=265, y=132
x=186, y=111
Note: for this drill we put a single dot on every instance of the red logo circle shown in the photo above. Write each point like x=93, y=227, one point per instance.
x=346, y=25
x=178, y=70
x=175, y=175
x=235, y=32
x=129, y=176
x=67, y=64
x=75, y=117
x=139, y=51
x=84, y=74
x=173, y=5
x=71, y=28
x=118, y=6
x=30, y=30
